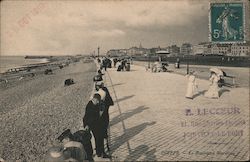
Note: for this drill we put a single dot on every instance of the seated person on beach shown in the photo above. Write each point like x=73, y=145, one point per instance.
x=75, y=149
x=84, y=136
x=71, y=150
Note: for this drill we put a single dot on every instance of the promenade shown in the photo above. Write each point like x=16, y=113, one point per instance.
x=153, y=121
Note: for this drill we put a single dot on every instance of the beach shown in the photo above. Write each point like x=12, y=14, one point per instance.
x=36, y=110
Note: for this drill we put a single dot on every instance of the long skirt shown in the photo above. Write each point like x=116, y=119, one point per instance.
x=213, y=91
x=190, y=90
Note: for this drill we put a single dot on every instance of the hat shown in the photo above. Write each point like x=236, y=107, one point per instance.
x=99, y=71
x=97, y=96
x=192, y=72
x=65, y=134
x=55, y=154
x=99, y=83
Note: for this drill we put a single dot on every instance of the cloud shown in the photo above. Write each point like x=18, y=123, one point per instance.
x=108, y=33
x=148, y=13
x=65, y=27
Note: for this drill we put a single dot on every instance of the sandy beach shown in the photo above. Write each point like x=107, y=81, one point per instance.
x=36, y=110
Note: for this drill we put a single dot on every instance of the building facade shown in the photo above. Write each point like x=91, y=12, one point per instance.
x=222, y=49
x=174, y=50
x=242, y=49
x=117, y=52
x=186, y=49
x=202, y=48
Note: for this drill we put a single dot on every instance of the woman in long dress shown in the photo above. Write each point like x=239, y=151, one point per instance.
x=213, y=91
x=192, y=85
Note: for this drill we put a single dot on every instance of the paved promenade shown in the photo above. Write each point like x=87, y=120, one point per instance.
x=152, y=120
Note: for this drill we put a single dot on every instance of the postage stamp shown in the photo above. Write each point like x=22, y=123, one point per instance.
x=227, y=22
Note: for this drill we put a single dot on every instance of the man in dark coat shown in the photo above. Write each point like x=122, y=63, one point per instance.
x=93, y=120
x=115, y=61
x=108, y=101
x=105, y=63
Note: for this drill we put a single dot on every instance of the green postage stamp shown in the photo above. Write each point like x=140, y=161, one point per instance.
x=226, y=22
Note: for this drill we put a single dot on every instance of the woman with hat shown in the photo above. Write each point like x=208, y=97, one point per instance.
x=213, y=91
x=192, y=85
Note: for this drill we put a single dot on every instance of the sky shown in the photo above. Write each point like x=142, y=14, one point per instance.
x=79, y=27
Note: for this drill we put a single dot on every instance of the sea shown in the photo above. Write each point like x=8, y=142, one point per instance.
x=8, y=62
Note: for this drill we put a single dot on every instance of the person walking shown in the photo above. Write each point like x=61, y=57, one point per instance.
x=192, y=85
x=213, y=91
x=92, y=120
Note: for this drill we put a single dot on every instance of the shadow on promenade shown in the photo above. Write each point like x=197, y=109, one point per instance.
x=223, y=91
x=126, y=115
x=199, y=94
x=116, y=84
x=128, y=134
x=140, y=151
x=124, y=98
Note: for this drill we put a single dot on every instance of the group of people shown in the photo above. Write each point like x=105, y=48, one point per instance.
x=77, y=146
x=96, y=118
x=158, y=66
x=104, y=63
x=212, y=92
x=123, y=64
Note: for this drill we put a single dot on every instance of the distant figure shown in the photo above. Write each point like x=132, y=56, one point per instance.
x=192, y=85
x=48, y=71
x=213, y=91
x=98, y=60
x=68, y=82
x=115, y=61
x=119, y=66
x=105, y=63
x=98, y=77
x=177, y=64
x=123, y=64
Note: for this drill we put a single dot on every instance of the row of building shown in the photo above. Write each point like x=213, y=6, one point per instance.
x=235, y=49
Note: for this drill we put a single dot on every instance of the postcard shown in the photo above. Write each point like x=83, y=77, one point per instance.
x=121, y=80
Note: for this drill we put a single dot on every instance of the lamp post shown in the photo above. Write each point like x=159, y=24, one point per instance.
x=148, y=61
x=98, y=51
x=188, y=64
